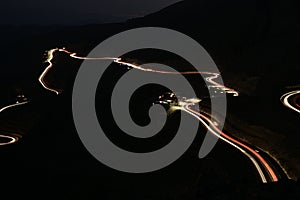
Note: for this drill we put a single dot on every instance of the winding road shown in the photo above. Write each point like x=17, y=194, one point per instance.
x=251, y=153
x=265, y=171
x=210, y=79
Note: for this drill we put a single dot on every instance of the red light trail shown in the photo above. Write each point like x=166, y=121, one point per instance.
x=252, y=154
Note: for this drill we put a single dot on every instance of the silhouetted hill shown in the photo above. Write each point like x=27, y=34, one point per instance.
x=254, y=39
x=251, y=38
x=218, y=25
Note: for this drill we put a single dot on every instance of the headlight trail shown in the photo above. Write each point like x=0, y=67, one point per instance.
x=210, y=79
x=253, y=155
x=11, y=139
x=13, y=105
x=290, y=100
x=45, y=72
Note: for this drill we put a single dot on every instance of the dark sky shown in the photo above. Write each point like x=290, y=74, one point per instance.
x=20, y=12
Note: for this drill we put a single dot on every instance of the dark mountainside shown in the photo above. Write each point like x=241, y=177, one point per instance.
x=250, y=38
x=255, y=45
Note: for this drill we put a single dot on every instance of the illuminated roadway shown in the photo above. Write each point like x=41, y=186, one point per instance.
x=50, y=57
x=263, y=168
x=252, y=154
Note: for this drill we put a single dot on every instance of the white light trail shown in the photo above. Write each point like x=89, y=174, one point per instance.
x=285, y=99
x=119, y=61
x=10, y=138
x=210, y=125
x=13, y=105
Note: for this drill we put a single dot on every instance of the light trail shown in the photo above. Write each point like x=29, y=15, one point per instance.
x=252, y=154
x=45, y=72
x=119, y=61
x=211, y=126
x=13, y=105
x=12, y=139
x=291, y=97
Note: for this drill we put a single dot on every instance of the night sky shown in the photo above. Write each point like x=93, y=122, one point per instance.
x=64, y=12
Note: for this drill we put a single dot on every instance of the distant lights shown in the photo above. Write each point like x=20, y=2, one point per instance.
x=193, y=100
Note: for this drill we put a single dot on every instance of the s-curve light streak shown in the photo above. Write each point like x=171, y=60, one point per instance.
x=45, y=72
x=50, y=57
x=291, y=97
x=246, y=150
